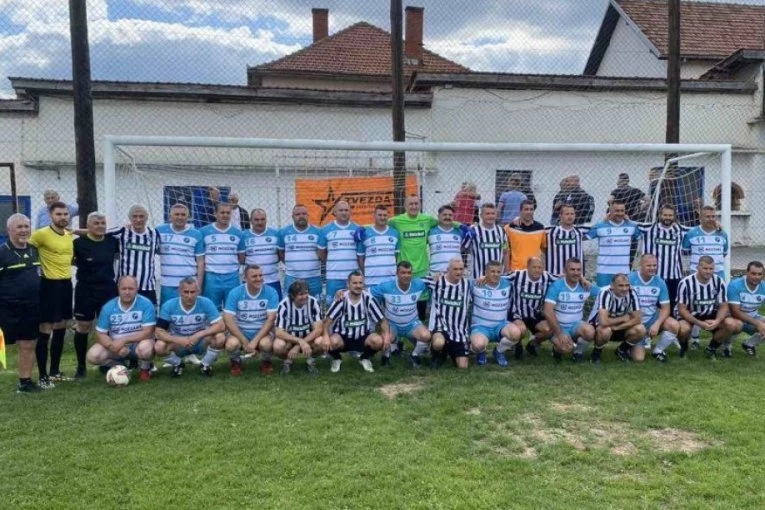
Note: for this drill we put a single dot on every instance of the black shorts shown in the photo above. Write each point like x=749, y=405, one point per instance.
x=88, y=299
x=55, y=300
x=151, y=295
x=353, y=344
x=454, y=348
x=672, y=285
x=531, y=324
x=19, y=322
x=618, y=336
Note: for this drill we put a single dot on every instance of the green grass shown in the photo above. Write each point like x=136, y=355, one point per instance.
x=534, y=436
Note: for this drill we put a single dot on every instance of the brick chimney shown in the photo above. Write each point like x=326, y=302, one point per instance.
x=320, y=23
x=413, y=36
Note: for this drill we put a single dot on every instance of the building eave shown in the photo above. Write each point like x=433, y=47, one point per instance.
x=23, y=106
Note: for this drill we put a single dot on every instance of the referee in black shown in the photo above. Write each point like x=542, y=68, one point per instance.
x=20, y=296
x=94, y=255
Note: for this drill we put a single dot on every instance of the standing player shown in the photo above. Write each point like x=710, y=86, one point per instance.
x=445, y=241
x=656, y=309
x=181, y=253
x=186, y=325
x=337, y=249
x=298, y=250
x=249, y=315
x=94, y=255
x=399, y=297
x=702, y=302
x=139, y=245
x=351, y=322
x=663, y=239
x=564, y=312
x=614, y=237
x=125, y=330
x=617, y=317
x=526, y=237
x=377, y=248
x=746, y=295
x=20, y=296
x=55, y=248
x=489, y=240
x=223, y=249
x=299, y=328
x=491, y=304
x=529, y=288
x=451, y=303
x=564, y=241
x=261, y=248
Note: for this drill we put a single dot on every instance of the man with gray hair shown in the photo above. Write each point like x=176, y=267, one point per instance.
x=94, y=254
x=50, y=196
x=181, y=252
x=239, y=217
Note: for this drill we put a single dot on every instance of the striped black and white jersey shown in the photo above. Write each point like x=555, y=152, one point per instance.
x=355, y=320
x=138, y=254
x=665, y=243
x=487, y=245
x=561, y=245
x=298, y=320
x=450, y=307
x=528, y=295
x=701, y=299
x=617, y=306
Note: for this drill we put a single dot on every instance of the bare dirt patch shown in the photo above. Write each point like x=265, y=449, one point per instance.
x=562, y=407
x=677, y=440
x=394, y=390
x=473, y=412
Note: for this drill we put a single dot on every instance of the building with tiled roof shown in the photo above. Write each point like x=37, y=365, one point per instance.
x=633, y=37
x=355, y=58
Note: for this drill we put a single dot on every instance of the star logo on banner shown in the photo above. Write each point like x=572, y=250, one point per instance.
x=327, y=204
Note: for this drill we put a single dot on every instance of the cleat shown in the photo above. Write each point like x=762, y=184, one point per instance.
x=192, y=358
x=60, y=377
x=385, y=361
x=578, y=357
x=683, y=350
x=46, y=384
x=480, y=359
x=436, y=360
x=145, y=375
x=595, y=357
x=710, y=353
x=398, y=352
x=518, y=352
x=311, y=368
x=205, y=370
x=750, y=350
x=80, y=373
x=558, y=357
x=153, y=368
x=531, y=348
x=415, y=361
x=266, y=367
x=500, y=358
x=727, y=352
x=27, y=387
x=286, y=369
x=695, y=344
x=334, y=367
x=236, y=368
x=177, y=370
x=661, y=357
x=367, y=365
x=623, y=355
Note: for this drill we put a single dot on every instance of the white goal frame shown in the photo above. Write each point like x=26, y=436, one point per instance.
x=113, y=142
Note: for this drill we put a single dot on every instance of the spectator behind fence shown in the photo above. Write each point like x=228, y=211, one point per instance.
x=239, y=217
x=509, y=206
x=50, y=196
x=634, y=199
x=465, y=203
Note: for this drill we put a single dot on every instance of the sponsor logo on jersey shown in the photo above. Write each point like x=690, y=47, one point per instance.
x=415, y=234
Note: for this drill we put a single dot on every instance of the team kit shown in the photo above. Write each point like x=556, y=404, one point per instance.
x=451, y=290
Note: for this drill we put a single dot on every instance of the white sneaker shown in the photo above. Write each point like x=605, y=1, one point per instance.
x=335, y=366
x=192, y=358
x=367, y=364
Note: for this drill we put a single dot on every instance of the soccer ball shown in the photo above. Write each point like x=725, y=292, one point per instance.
x=118, y=375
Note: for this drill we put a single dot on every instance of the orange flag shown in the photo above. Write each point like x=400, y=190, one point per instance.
x=2, y=350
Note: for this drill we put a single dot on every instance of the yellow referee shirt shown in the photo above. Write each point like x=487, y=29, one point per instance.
x=56, y=252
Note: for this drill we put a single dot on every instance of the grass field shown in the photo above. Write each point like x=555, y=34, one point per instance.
x=688, y=434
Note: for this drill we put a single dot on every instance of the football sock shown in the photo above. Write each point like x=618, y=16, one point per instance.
x=754, y=340
x=211, y=355
x=41, y=352
x=420, y=348
x=714, y=345
x=172, y=359
x=336, y=354
x=581, y=346
x=145, y=364
x=80, y=347
x=236, y=355
x=665, y=340
x=56, y=350
x=368, y=353
x=504, y=345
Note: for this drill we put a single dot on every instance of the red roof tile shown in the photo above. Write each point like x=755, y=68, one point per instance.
x=360, y=49
x=712, y=30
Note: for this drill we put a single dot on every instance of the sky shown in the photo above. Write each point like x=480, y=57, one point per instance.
x=213, y=41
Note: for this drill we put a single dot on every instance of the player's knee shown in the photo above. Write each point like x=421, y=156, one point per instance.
x=437, y=342
x=161, y=348
x=232, y=344
x=336, y=342
x=281, y=348
x=374, y=341
x=218, y=341
x=83, y=326
x=423, y=335
x=672, y=326
x=478, y=343
x=733, y=325
x=266, y=344
x=97, y=355
x=513, y=333
x=637, y=354
x=638, y=331
x=461, y=362
x=145, y=349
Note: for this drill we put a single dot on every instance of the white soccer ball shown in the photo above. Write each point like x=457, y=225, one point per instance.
x=118, y=375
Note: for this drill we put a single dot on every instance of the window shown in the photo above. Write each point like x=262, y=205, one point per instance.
x=6, y=209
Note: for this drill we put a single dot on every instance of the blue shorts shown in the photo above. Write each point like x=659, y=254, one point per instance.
x=131, y=355
x=217, y=287
x=748, y=328
x=166, y=294
x=332, y=287
x=314, y=284
x=493, y=333
x=405, y=330
x=571, y=329
x=277, y=286
x=197, y=348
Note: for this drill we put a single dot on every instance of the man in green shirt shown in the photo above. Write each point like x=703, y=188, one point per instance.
x=413, y=227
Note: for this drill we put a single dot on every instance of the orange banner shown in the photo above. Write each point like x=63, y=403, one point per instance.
x=363, y=194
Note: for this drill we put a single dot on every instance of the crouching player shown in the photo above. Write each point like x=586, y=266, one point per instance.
x=188, y=324
x=249, y=316
x=125, y=330
x=351, y=321
x=529, y=287
x=617, y=317
x=491, y=303
x=746, y=295
x=299, y=328
x=452, y=300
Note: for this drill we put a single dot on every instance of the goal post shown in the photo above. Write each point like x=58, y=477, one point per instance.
x=291, y=159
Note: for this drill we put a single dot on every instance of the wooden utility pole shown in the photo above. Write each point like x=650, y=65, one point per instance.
x=83, y=111
x=673, y=73
x=399, y=125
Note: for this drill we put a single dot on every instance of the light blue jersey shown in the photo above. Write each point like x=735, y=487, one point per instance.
x=614, y=242
x=118, y=322
x=263, y=250
x=714, y=244
x=444, y=245
x=379, y=250
x=651, y=295
x=341, y=249
x=491, y=304
x=569, y=302
x=222, y=249
x=178, y=253
x=251, y=311
x=400, y=306
x=184, y=322
x=299, y=247
x=749, y=300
